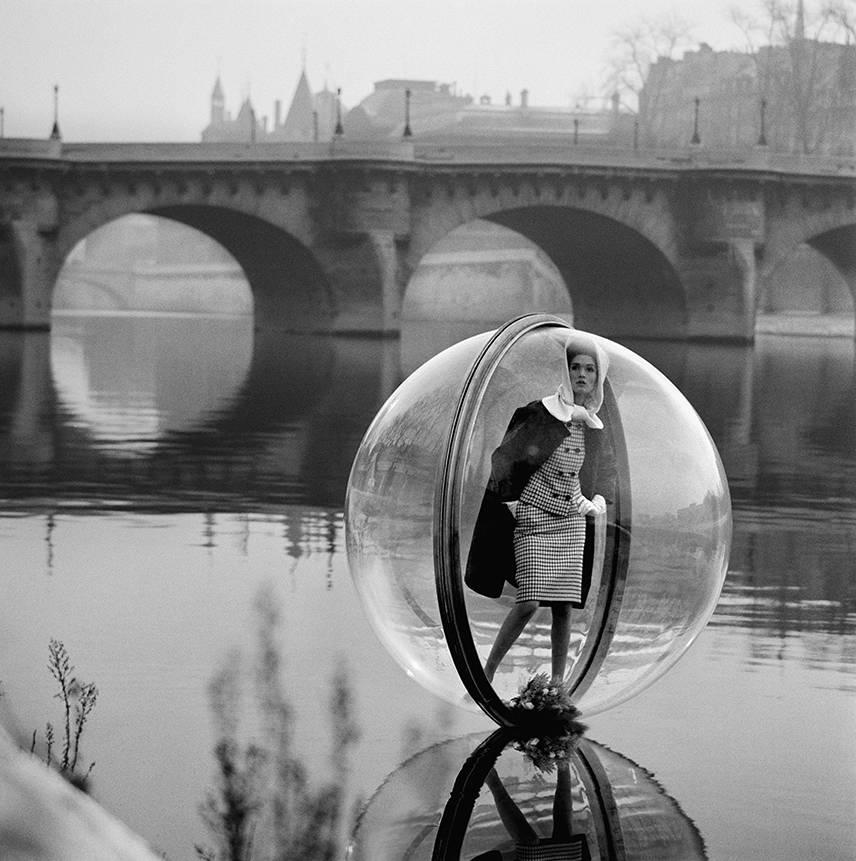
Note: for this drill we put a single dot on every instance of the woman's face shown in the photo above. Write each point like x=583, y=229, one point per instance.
x=583, y=376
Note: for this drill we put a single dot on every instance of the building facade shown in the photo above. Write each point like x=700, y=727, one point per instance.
x=429, y=110
x=798, y=98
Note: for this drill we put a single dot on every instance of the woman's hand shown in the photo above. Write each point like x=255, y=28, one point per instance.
x=588, y=507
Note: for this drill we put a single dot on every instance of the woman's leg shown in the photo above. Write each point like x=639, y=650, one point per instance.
x=562, y=802
x=560, y=636
x=509, y=631
x=512, y=817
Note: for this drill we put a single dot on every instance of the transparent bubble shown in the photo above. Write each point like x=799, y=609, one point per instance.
x=418, y=484
x=465, y=799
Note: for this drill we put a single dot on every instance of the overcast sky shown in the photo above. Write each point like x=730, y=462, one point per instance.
x=144, y=69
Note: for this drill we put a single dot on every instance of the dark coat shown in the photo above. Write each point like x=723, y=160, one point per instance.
x=532, y=436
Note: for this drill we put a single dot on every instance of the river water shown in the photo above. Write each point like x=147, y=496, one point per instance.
x=171, y=511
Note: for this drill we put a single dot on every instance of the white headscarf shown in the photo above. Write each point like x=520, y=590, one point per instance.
x=561, y=405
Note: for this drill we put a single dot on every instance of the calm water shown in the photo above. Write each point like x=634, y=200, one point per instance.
x=163, y=478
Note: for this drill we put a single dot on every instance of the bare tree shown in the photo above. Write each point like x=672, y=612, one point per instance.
x=639, y=44
x=843, y=15
x=800, y=63
x=636, y=48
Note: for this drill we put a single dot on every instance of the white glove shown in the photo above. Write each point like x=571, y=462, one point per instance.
x=586, y=507
x=599, y=503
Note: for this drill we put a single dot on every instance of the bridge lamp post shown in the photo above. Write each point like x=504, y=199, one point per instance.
x=55, y=134
x=762, y=137
x=2, y=122
x=695, y=138
x=407, y=130
x=576, y=131
x=635, y=134
x=339, y=130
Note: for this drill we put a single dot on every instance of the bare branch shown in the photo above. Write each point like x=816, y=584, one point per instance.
x=638, y=44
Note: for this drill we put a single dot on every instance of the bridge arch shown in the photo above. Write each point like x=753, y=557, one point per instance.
x=619, y=281
x=290, y=290
x=839, y=247
x=828, y=230
x=482, y=274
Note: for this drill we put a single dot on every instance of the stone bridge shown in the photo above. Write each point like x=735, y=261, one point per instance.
x=650, y=244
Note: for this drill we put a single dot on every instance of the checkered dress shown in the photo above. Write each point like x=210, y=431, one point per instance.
x=548, y=850
x=550, y=532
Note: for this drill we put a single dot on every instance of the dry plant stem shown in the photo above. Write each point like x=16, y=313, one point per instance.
x=61, y=670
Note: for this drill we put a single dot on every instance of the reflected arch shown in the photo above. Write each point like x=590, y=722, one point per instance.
x=212, y=414
x=622, y=284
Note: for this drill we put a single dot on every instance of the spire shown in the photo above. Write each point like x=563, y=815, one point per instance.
x=246, y=120
x=218, y=103
x=299, y=121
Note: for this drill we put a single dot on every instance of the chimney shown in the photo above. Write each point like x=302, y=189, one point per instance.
x=277, y=113
x=524, y=99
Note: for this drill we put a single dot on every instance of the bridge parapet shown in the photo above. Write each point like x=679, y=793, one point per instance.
x=30, y=148
x=535, y=154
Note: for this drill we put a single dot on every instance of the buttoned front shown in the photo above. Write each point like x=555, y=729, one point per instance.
x=555, y=486
x=550, y=532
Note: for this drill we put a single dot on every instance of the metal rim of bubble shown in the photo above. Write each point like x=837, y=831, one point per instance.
x=447, y=511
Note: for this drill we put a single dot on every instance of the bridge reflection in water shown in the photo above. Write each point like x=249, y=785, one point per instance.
x=177, y=413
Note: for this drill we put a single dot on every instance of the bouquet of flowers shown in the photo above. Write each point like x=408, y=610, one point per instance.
x=547, y=707
x=546, y=751
x=540, y=701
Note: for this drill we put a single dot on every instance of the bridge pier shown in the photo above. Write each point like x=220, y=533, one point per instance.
x=720, y=285
x=383, y=243
x=365, y=273
x=25, y=301
x=726, y=223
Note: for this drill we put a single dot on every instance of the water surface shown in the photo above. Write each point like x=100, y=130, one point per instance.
x=159, y=475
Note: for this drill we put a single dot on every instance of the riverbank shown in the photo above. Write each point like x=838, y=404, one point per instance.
x=801, y=323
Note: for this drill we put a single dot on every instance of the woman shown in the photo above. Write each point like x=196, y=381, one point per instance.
x=562, y=843
x=554, y=467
